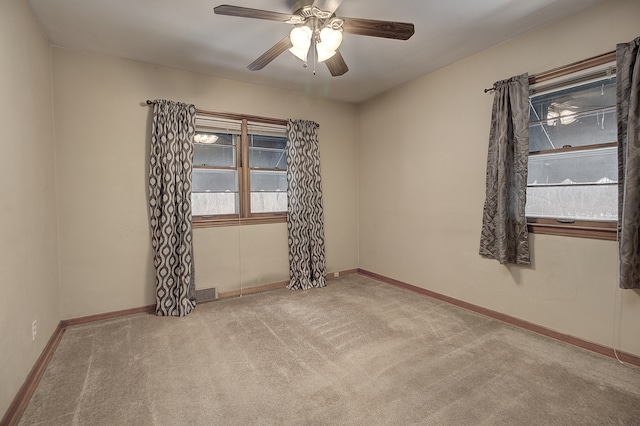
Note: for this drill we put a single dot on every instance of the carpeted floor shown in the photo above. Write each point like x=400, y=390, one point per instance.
x=357, y=352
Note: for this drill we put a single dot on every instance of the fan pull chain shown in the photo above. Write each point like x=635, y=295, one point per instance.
x=315, y=58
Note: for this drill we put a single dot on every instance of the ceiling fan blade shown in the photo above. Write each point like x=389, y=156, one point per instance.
x=373, y=28
x=246, y=12
x=336, y=64
x=327, y=5
x=270, y=54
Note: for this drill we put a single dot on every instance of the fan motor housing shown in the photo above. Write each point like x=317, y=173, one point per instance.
x=298, y=5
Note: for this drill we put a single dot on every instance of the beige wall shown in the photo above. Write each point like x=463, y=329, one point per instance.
x=403, y=178
x=423, y=149
x=28, y=252
x=102, y=139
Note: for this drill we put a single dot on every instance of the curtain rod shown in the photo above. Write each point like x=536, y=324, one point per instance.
x=254, y=118
x=567, y=69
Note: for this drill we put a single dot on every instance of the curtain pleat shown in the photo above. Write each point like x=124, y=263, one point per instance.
x=305, y=216
x=504, y=234
x=628, y=111
x=171, y=162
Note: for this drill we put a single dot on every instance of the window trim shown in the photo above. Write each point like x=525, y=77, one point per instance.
x=574, y=67
x=575, y=148
x=235, y=220
x=600, y=230
x=244, y=216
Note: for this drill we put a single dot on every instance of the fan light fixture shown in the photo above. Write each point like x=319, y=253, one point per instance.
x=301, y=40
x=326, y=40
x=315, y=22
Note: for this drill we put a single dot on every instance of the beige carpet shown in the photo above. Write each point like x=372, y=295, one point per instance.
x=357, y=352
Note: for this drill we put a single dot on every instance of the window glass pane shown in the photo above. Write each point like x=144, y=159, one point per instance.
x=574, y=185
x=207, y=180
x=214, y=192
x=262, y=180
x=214, y=149
x=594, y=202
x=576, y=116
x=268, y=191
x=268, y=202
x=267, y=152
x=591, y=166
x=573, y=130
x=207, y=204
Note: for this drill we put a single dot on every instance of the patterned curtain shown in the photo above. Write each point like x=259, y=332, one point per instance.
x=628, y=110
x=305, y=221
x=171, y=159
x=504, y=224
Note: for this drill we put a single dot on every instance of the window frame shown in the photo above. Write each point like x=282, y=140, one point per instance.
x=601, y=230
x=244, y=215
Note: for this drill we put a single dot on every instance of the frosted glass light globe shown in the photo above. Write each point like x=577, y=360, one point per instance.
x=300, y=53
x=331, y=38
x=301, y=37
x=323, y=52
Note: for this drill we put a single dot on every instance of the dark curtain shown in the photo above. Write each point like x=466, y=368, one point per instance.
x=504, y=224
x=171, y=160
x=628, y=110
x=305, y=221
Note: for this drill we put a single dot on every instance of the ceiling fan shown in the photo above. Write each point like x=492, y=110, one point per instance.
x=317, y=26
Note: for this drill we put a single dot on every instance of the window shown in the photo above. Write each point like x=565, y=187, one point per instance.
x=239, y=170
x=573, y=158
x=268, y=165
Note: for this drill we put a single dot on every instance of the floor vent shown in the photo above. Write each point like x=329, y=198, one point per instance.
x=206, y=295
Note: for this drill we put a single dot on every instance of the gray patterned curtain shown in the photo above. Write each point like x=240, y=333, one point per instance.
x=628, y=110
x=504, y=224
x=170, y=169
x=305, y=221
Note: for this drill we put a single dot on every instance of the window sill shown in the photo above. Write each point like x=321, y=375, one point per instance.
x=212, y=221
x=579, y=228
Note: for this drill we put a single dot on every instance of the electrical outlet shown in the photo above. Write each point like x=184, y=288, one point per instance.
x=34, y=330
x=336, y=274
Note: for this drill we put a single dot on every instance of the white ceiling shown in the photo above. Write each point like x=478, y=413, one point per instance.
x=186, y=34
